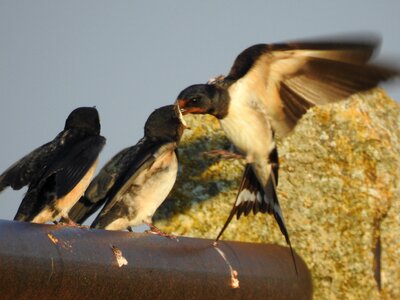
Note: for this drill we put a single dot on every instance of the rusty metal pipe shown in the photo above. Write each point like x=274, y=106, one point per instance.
x=47, y=261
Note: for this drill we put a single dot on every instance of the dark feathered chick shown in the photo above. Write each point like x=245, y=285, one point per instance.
x=57, y=173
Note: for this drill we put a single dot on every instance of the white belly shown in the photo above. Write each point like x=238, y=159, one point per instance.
x=153, y=194
x=146, y=193
x=248, y=128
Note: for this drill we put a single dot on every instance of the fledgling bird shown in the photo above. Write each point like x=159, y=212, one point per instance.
x=268, y=89
x=57, y=173
x=135, y=182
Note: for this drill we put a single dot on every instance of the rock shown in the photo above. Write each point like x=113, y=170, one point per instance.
x=338, y=189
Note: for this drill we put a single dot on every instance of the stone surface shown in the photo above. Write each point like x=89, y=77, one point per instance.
x=338, y=189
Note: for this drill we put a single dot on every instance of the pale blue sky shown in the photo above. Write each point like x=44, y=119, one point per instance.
x=129, y=57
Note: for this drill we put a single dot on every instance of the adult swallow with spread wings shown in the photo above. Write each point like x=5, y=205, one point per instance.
x=135, y=182
x=268, y=89
x=57, y=173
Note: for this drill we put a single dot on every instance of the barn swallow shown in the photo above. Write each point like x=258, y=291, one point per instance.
x=135, y=182
x=57, y=173
x=268, y=89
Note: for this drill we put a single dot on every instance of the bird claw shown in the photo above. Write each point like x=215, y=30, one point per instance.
x=68, y=222
x=157, y=231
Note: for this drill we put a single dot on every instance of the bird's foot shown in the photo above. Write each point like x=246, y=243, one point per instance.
x=65, y=221
x=155, y=230
x=223, y=154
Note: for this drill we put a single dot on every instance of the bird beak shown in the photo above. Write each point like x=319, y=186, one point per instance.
x=181, y=104
x=180, y=115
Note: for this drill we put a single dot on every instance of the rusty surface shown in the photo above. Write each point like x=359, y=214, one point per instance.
x=48, y=261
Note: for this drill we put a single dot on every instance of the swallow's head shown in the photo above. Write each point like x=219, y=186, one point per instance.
x=203, y=99
x=165, y=123
x=85, y=118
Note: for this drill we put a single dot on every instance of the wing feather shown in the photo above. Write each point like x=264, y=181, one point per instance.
x=290, y=78
x=62, y=173
x=24, y=171
x=143, y=162
x=71, y=168
x=95, y=194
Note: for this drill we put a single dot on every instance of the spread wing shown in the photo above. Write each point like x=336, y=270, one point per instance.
x=290, y=78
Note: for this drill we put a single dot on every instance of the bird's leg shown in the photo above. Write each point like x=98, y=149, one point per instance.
x=66, y=221
x=155, y=230
x=225, y=154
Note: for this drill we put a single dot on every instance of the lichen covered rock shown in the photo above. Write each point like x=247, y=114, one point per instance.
x=338, y=189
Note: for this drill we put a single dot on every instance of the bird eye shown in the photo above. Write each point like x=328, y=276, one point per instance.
x=195, y=99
